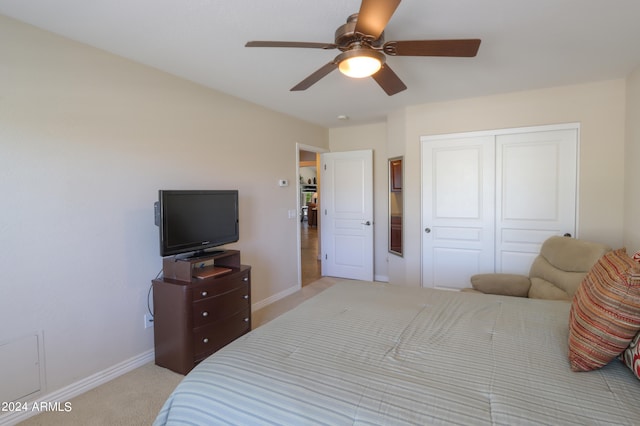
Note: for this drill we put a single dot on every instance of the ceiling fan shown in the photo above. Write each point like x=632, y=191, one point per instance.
x=361, y=41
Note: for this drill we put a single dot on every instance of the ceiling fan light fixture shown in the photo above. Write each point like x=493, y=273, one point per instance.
x=360, y=62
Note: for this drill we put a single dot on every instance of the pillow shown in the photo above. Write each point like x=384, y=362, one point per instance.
x=605, y=312
x=631, y=356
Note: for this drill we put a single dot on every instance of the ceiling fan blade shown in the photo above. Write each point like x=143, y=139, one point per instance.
x=388, y=80
x=458, y=48
x=374, y=16
x=315, y=77
x=290, y=44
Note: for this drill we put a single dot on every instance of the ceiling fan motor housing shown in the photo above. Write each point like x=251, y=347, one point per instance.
x=347, y=38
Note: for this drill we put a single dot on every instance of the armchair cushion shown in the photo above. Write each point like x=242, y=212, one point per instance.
x=504, y=284
x=562, y=264
x=556, y=273
x=543, y=289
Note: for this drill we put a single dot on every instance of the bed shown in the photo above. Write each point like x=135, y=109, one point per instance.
x=375, y=354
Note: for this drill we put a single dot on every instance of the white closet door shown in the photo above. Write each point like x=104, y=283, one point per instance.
x=458, y=210
x=489, y=200
x=535, y=194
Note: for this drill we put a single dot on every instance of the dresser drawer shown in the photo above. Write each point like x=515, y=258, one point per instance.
x=213, y=287
x=211, y=337
x=219, y=307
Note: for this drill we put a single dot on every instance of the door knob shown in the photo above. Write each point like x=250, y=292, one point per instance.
x=366, y=223
x=427, y=230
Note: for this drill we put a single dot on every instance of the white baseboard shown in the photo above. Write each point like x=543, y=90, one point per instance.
x=269, y=300
x=68, y=392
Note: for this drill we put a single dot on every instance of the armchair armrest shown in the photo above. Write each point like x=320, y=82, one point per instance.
x=503, y=284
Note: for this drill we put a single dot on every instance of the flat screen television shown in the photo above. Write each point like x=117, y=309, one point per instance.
x=195, y=221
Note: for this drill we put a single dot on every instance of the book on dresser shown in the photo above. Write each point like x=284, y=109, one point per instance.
x=210, y=272
x=199, y=312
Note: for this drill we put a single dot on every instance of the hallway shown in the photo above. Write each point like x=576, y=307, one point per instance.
x=311, y=270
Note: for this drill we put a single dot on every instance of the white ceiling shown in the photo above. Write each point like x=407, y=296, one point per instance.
x=525, y=45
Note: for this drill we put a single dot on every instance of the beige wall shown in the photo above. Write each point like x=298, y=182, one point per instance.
x=632, y=165
x=86, y=141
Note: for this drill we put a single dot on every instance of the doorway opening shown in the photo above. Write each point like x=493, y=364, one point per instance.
x=309, y=242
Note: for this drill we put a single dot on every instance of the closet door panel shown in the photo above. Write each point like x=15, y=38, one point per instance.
x=458, y=199
x=536, y=180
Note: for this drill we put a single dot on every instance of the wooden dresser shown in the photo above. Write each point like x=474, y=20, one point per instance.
x=194, y=319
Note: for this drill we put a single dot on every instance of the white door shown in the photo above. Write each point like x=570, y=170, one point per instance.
x=491, y=198
x=458, y=210
x=347, y=214
x=535, y=194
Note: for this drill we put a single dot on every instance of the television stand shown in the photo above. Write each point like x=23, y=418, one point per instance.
x=186, y=268
x=196, y=313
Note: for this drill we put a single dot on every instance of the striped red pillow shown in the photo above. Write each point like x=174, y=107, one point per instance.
x=605, y=313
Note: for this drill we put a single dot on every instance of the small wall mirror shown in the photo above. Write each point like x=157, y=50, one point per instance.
x=396, y=205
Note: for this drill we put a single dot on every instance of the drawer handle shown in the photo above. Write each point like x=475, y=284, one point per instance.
x=245, y=279
x=246, y=320
x=205, y=314
x=245, y=297
x=205, y=340
x=204, y=293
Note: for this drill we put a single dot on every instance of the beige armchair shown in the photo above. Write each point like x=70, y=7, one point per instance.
x=556, y=273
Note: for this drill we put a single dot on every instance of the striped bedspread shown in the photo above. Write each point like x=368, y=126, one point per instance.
x=374, y=354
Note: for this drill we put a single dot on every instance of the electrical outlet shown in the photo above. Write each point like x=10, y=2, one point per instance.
x=148, y=320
